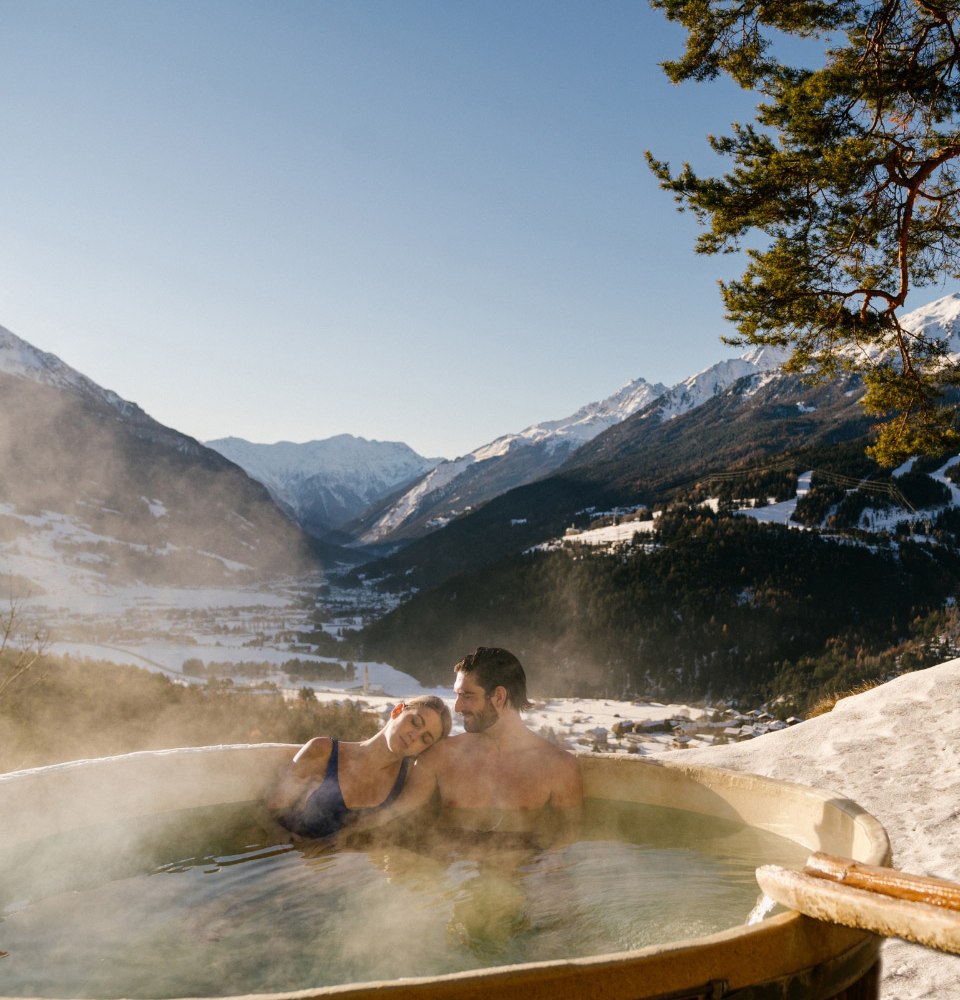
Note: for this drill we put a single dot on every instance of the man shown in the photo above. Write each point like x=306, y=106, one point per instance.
x=498, y=775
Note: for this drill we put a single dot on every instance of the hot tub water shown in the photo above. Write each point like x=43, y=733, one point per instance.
x=211, y=902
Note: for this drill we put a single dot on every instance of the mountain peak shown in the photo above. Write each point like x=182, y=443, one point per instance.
x=23, y=360
x=570, y=432
x=938, y=320
x=17, y=357
x=766, y=357
x=327, y=482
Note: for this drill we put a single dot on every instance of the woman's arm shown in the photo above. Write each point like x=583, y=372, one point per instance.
x=308, y=763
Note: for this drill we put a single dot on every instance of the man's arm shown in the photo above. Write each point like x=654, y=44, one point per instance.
x=566, y=796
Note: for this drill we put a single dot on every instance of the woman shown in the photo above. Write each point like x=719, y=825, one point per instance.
x=329, y=783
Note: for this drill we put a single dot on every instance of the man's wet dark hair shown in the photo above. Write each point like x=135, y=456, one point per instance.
x=494, y=667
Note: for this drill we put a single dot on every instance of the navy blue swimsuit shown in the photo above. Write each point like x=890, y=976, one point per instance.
x=325, y=812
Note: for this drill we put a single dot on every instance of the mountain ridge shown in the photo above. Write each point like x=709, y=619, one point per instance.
x=640, y=461
x=447, y=493
x=326, y=483
x=457, y=487
x=649, y=437
x=120, y=496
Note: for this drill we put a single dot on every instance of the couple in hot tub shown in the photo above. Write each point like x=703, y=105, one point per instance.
x=498, y=775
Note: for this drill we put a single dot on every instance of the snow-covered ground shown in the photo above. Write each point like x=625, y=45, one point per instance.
x=610, y=534
x=50, y=581
x=48, y=563
x=894, y=750
x=774, y=512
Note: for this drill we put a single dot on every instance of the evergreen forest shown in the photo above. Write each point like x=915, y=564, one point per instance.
x=713, y=606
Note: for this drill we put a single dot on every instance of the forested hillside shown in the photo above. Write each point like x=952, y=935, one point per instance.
x=718, y=606
x=645, y=460
x=712, y=604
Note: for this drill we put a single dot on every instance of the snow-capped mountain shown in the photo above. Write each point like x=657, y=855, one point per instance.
x=149, y=502
x=509, y=461
x=698, y=389
x=455, y=487
x=652, y=457
x=939, y=320
x=117, y=495
x=22, y=360
x=571, y=432
x=326, y=483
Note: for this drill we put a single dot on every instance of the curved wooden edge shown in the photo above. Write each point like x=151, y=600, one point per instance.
x=887, y=881
x=922, y=923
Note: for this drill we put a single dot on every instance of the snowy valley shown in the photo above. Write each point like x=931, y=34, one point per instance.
x=80, y=562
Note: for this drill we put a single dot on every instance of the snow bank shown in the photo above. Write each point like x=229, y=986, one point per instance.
x=895, y=750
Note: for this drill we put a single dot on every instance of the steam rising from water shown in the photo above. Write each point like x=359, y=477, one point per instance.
x=228, y=909
x=101, y=507
x=109, y=500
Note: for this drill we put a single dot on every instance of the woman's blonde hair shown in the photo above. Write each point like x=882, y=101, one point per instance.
x=438, y=705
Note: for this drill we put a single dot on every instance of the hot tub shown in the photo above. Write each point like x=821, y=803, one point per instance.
x=783, y=956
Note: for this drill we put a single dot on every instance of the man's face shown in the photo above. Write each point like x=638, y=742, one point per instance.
x=478, y=711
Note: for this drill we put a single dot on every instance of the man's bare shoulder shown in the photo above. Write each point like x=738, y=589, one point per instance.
x=441, y=754
x=561, y=770
x=457, y=747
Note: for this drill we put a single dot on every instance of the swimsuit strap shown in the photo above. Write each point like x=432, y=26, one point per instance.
x=324, y=812
x=333, y=763
x=333, y=775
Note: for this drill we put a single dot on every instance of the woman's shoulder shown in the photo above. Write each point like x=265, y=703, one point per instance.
x=316, y=750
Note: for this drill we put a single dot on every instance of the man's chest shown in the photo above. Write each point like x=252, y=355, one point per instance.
x=494, y=780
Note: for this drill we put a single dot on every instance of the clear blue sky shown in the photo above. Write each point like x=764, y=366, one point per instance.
x=417, y=220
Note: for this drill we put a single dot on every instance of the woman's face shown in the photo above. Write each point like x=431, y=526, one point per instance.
x=414, y=730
